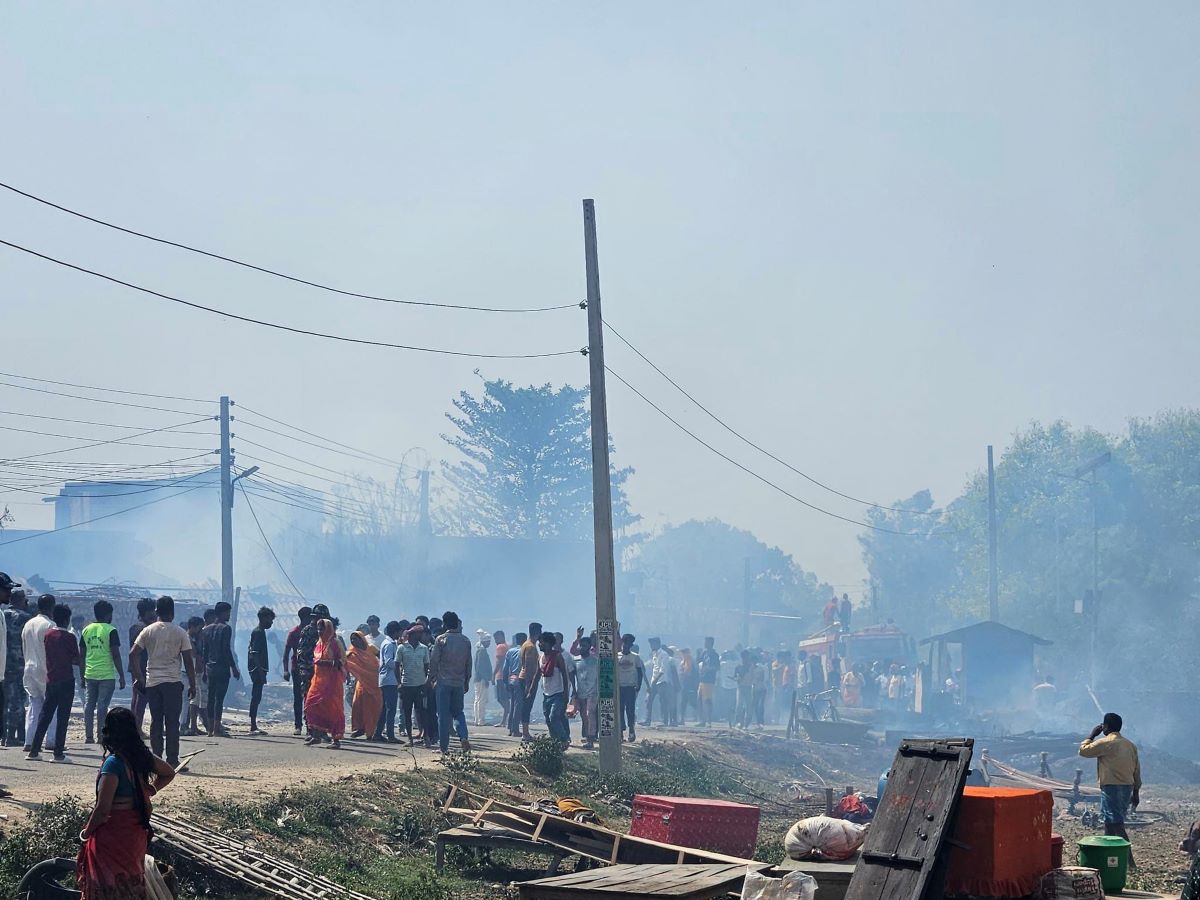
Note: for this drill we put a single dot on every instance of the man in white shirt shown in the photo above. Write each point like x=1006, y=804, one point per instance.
x=374, y=636
x=33, y=642
x=154, y=661
x=659, y=684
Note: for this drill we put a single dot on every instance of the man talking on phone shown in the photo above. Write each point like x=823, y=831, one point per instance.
x=1117, y=770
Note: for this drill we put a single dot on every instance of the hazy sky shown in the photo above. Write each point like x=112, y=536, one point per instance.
x=875, y=237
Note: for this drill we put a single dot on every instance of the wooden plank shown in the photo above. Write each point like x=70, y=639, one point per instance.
x=906, y=846
x=482, y=812
x=630, y=881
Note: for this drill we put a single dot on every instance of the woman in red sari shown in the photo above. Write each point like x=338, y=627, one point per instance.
x=112, y=861
x=363, y=662
x=325, y=706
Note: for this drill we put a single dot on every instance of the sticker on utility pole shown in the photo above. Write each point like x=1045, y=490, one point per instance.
x=606, y=648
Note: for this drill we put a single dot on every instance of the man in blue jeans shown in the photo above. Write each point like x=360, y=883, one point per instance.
x=1119, y=772
x=450, y=670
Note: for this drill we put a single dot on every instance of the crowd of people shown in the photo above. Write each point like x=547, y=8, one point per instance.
x=413, y=682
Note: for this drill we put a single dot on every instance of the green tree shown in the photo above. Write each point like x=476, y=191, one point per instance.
x=526, y=470
x=1143, y=506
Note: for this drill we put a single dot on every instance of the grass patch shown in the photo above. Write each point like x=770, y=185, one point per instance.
x=50, y=830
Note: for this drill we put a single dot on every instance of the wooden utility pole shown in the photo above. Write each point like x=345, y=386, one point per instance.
x=226, y=506
x=993, y=572
x=606, y=598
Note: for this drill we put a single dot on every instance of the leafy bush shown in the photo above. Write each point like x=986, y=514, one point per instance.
x=460, y=764
x=543, y=755
x=50, y=830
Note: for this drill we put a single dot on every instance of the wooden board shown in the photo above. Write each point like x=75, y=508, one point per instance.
x=693, y=882
x=905, y=852
x=593, y=841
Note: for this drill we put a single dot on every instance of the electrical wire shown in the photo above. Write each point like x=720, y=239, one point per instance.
x=119, y=512
x=281, y=327
x=81, y=437
x=92, y=387
x=27, y=387
x=320, y=437
x=7, y=412
x=146, y=490
x=353, y=455
x=119, y=440
x=274, y=556
x=277, y=274
x=751, y=472
x=741, y=437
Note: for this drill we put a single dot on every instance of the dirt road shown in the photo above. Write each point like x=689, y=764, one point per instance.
x=240, y=766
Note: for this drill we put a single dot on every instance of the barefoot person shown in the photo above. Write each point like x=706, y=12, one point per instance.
x=111, y=862
x=324, y=706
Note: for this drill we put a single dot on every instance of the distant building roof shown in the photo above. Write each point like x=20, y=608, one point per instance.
x=984, y=630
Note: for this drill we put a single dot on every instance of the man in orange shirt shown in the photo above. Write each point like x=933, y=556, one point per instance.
x=527, y=679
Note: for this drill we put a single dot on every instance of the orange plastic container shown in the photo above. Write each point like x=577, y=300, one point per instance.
x=1008, y=833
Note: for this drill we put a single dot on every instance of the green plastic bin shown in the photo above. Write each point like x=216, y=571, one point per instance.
x=1110, y=857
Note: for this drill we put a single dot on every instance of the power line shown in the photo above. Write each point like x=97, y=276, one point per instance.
x=146, y=490
x=283, y=275
x=313, y=434
x=90, y=387
x=749, y=471
x=274, y=556
x=120, y=512
x=741, y=437
x=26, y=387
x=307, y=462
x=353, y=455
x=289, y=328
x=22, y=415
x=81, y=437
x=115, y=441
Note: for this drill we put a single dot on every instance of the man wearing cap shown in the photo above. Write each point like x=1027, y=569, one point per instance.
x=15, y=615
x=290, y=648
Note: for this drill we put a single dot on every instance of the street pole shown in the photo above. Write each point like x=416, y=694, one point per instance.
x=606, y=599
x=746, y=579
x=226, y=506
x=993, y=574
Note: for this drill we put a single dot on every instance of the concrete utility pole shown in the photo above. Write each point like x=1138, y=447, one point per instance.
x=606, y=596
x=226, y=506
x=747, y=579
x=993, y=572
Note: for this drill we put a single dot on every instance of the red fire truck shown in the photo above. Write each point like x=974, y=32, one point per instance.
x=886, y=643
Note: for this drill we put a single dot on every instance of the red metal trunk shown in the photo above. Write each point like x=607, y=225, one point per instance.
x=729, y=828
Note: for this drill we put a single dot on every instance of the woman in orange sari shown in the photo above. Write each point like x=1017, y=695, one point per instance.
x=324, y=706
x=363, y=662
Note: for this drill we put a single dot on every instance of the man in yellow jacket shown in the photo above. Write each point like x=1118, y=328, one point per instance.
x=1117, y=770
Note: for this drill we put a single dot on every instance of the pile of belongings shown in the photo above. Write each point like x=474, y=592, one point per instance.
x=567, y=808
x=854, y=808
x=824, y=837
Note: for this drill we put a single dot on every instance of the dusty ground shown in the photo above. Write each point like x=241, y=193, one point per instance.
x=233, y=767
x=235, y=779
